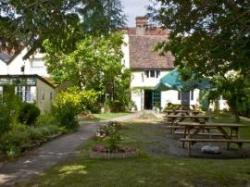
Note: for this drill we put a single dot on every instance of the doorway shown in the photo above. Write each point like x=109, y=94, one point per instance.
x=148, y=95
x=185, y=99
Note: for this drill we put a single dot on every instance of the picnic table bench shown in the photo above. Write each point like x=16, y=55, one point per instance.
x=192, y=141
x=229, y=132
x=187, y=112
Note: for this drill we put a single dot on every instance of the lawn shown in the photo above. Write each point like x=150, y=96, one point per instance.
x=106, y=116
x=153, y=167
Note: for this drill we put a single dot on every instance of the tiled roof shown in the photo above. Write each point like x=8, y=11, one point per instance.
x=5, y=57
x=143, y=56
x=148, y=31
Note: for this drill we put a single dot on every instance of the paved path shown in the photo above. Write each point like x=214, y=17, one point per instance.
x=49, y=154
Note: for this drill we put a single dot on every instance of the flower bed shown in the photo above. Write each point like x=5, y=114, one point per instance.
x=110, y=147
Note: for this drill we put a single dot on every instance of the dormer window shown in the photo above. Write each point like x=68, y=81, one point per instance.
x=152, y=73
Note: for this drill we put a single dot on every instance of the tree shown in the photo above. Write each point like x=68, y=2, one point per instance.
x=63, y=22
x=211, y=38
x=96, y=64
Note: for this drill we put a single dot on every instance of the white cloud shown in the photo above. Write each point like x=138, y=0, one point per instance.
x=134, y=8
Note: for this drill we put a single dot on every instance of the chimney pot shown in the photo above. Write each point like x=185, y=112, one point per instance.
x=141, y=24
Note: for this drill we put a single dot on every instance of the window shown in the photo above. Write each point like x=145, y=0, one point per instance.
x=19, y=91
x=147, y=73
x=158, y=73
x=28, y=96
x=152, y=73
x=37, y=63
x=51, y=96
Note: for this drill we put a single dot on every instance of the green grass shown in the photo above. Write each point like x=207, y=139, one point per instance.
x=106, y=116
x=153, y=167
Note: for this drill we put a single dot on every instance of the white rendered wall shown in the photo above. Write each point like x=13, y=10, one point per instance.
x=223, y=105
x=3, y=68
x=34, y=65
x=195, y=101
x=125, y=50
x=139, y=79
x=14, y=68
x=170, y=96
x=137, y=96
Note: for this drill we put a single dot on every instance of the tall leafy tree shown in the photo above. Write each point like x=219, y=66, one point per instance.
x=96, y=63
x=61, y=21
x=211, y=38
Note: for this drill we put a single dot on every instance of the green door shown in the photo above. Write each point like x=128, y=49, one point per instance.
x=156, y=99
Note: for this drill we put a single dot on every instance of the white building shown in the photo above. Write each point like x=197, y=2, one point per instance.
x=148, y=67
x=14, y=64
x=30, y=77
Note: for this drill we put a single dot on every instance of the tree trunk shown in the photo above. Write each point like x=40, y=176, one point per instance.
x=237, y=117
x=236, y=113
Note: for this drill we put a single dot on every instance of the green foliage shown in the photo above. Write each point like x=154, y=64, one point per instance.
x=20, y=138
x=95, y=64
x=110, y=135
x=211, y=39
x=171, y=106
x=87, y=98
x=9, y=108
x=116, y=106
x=31, y=22
x=28, y=114
x=66, y=108
x=46, y=119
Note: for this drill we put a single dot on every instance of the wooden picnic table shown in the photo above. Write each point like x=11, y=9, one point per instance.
x=175, y=112
x=187, y=112
x=173, y=119
x=227, y=130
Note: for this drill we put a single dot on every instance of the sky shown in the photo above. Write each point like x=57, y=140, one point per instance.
x=134, y=8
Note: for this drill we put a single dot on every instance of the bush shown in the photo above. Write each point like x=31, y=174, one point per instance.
x=9, y=108
x=12, y=142
x=28, y=114
x=70, y=103
x=20, y=138
x=45, y=120
x=66, y=108
x=110, y=135
x=5, y=119
x=117, y=106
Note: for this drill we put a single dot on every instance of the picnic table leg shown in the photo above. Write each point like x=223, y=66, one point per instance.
x=172, y=127
x=185, y=136
x=189, y=148
x=228, y=146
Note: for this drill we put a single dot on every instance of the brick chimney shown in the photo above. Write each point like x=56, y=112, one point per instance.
x=141, y=25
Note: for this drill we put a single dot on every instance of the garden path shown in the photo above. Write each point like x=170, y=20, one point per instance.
x=51, y=153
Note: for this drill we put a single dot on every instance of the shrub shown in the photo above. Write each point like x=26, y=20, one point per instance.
x=88, y=100
x=117, y=106
x=110, y=135
x=45, y=120
x=5, y=119
x=9, y=108
x=12, y=142
x=28, y=114
x=66, y=108
x=70, y=103
x=20, y=138
x=171, y=106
